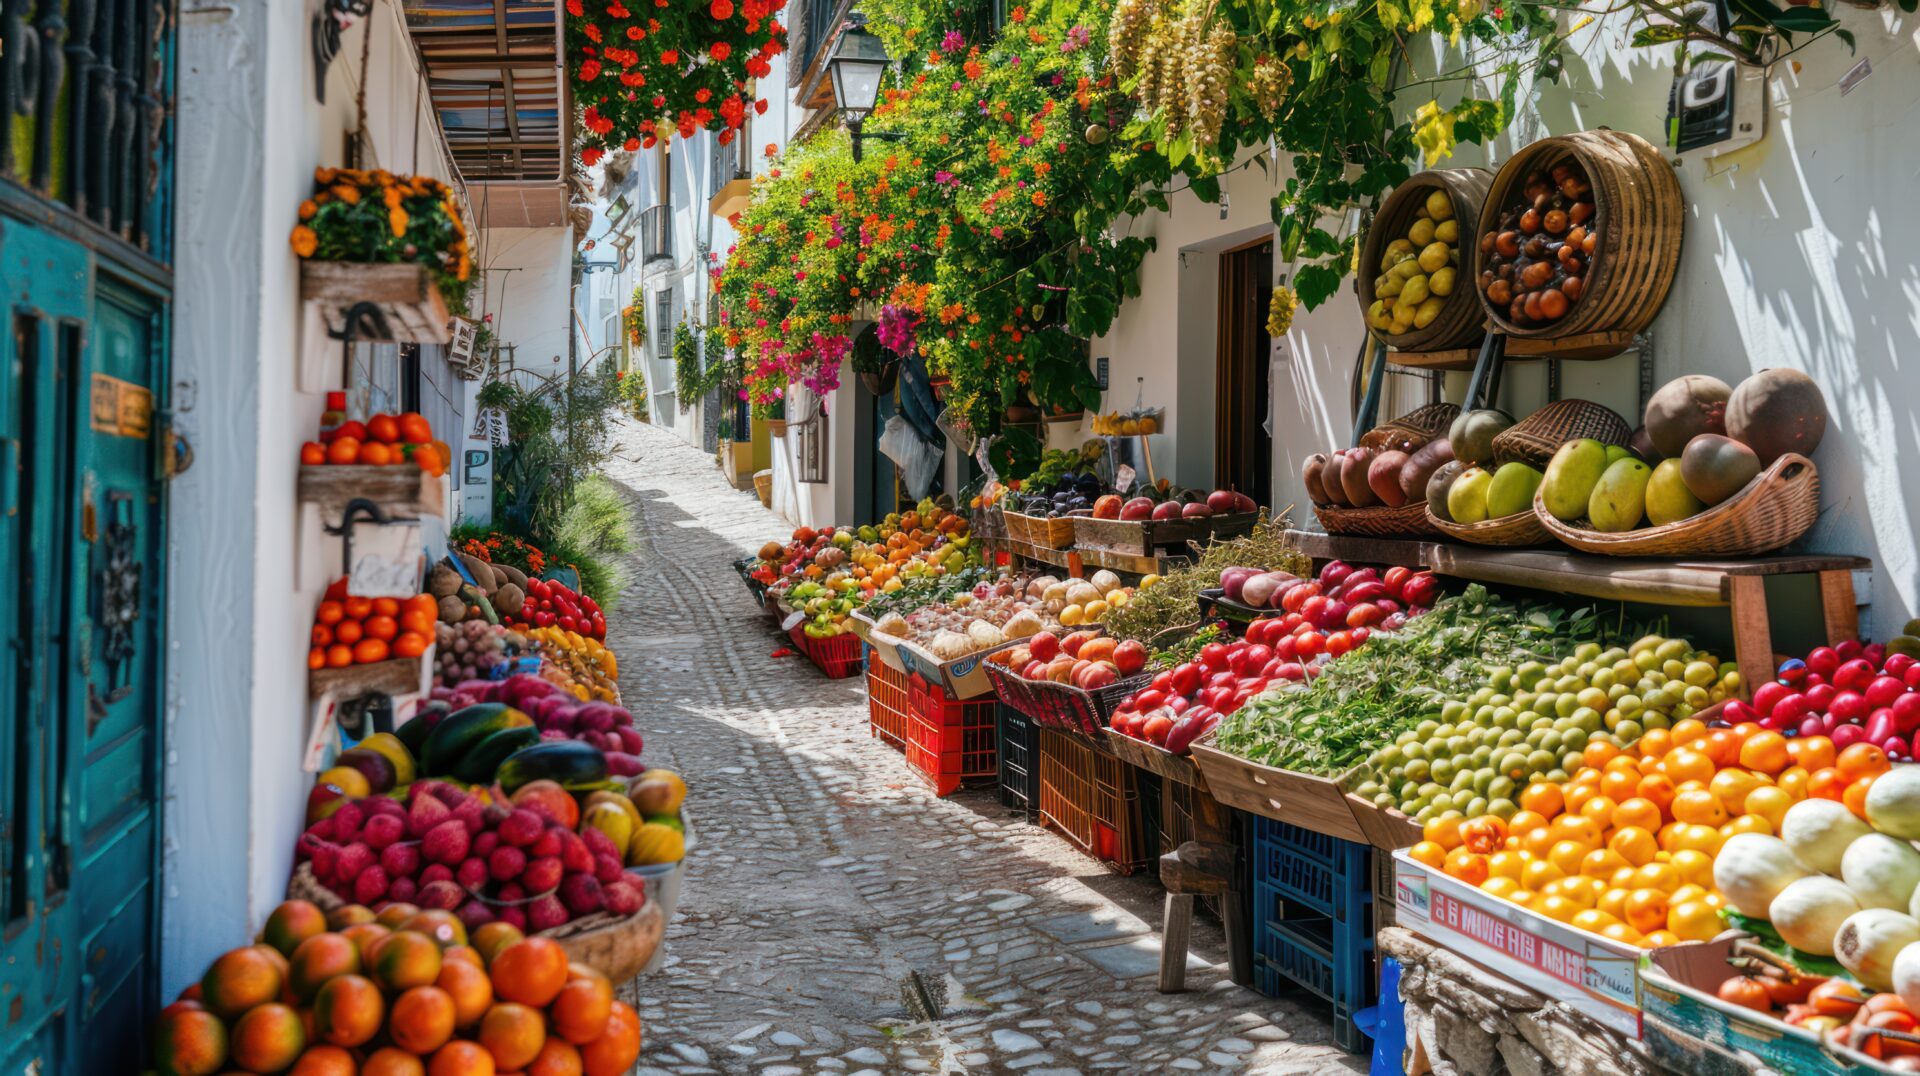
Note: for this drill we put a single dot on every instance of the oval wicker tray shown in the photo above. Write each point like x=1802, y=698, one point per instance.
x=1518, y=529
x=1776, y=508
x=1378, y=521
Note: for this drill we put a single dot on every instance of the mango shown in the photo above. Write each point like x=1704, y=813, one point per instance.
x=1467, y=497
x=1619, y=499
x=1668, y=498
x=1619, y=452
x=625, y=805
x=611, y=820
x=1511, y=490
x=655, y=843
x=1715, y=467
x=1571, y=475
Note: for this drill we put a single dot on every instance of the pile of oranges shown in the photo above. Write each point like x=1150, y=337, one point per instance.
x=381, y=441
x=403, y=993
x=349, y=630
x=1624, y=849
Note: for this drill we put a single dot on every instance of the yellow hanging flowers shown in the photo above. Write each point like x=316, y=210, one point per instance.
x=1280, y=310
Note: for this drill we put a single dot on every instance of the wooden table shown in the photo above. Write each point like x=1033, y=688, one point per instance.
x=1737, y=585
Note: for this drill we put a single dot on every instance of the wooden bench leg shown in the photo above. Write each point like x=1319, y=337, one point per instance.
x=1838, y=607
x=1174, y=930
x=1752, y=631
x=1233, y=917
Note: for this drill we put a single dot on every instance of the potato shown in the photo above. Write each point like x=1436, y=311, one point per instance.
x=452, y=609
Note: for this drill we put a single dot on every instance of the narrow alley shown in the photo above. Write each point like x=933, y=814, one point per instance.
x=823, y=873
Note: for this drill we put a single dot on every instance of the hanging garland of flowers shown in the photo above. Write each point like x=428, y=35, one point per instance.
x=982, y=237
x=668, y=67
x=633, y=318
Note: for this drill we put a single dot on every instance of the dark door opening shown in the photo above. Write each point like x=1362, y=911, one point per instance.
x=1243, y=448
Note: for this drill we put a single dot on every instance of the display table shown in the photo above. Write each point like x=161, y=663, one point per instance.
x=1463, y=1019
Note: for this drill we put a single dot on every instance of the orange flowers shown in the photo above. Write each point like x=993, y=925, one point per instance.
x=304, y=241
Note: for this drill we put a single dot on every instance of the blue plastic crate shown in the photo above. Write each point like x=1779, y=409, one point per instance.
x=1313, y=920
x=1019, y=769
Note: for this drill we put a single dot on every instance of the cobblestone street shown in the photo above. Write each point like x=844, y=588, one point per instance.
x=824, y=872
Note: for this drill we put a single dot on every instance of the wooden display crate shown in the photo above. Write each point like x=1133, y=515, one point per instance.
x=404, y=293
x=1304, y=800
x=400, y=489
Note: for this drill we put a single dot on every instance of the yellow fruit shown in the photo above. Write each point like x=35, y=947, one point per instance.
x=1072, y=615
x=348, y=780
x=1096, y=611
x=609, y=819
x=655, y=843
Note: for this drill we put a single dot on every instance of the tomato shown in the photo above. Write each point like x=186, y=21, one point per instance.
x=1156, y=728
x=343, y=450
x=382, y=628
x=429, y=459
x=349, y=632
x=329, y=612
x=358, y=608
x=339, y=656
x=1214, y=656
x=321, y=636
x=409, y=644
x=1785, y=991
x=1298, y=596
x=1309, y=643
x=317, y=658
x=414, y=429
x=416, y=621
x=312, y=453
x=368, y=651
x=355, y=429
x=375, y=454
x=426, y=603
x=1836, y=997
x=384, y=428
x=1746, y=991
x=1338, y=643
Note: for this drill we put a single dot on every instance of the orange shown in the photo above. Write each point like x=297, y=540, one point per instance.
x=1500, y=887
x=1685, y=893
x=241, y=979
x=1543, y=798
x=1657, y=939
x=1556, y=907
x=1661, y=876
x=1619, y=783
x=464, y=953
x=1634, y=844
x=1621, y=878
x=461, y=1058
x=444, y=927
x=1861, y=760
x=1536, y=873
x=189, y=1042
x=1592, y=920
x=1613, y=902
x=348, y=1010
x=422, y=1019
x=392, y=1061
x=1538, y=841
x=293, y=922
x=1646, y=909
x=614, y=1052
x=1769, y=803
x=1723, y=746
x=1637, y=812
x=365, y=936
x=530, y=972
x=1657, y=789
x=1747, y=823
x=1602, y=862
x=312, y=454
x=1811, y=752
x=1428, y=853
x=1698, y=806
x=343, y=450
x=513, y=1034
x=1469, y=867
x=406, y=960
x=1623, y=934
x=1793, y=781
x=1698, y=838
x=1687, y=764
x=1506, y=865
x=1524, y=822
x=1598, y=753
x=1687, y=730
x=1655, y=742
x=1827, y=783
x=1579, y=792
x=1694, y=920
x=1765, y=751
x=1444, y=831
x=581, y=1010
x=324, y=1061
x=1732, y=787
x=375, y=454
x=557, y=1057
x=268, y=1038
x=318, y=959
x=1600, y=809
x=357, y=608
x=1576, y=827
x=1855, y=796
x=470, y=989
x=1566, y=856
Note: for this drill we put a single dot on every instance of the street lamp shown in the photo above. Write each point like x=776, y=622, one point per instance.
x=857, y=64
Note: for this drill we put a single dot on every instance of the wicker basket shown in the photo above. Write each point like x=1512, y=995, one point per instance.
x=1408, y=520
x=1537, y=437
x=1639, y=212
x=1415, y=428
x=1773, y=510
x=1460, y=322
x=1520, y=528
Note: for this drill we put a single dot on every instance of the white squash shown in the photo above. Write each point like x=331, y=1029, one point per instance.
x=1881, y=871
x=1870, y=941
x=1055, y=592
x=1819, y=832
x=1105, y=581
x=1809, y=912
x=950, y=645
x=1082, y=593
x=1022, y=624
x=1752, y=869
x=893, y=625
x=1893, y=803
x=1906, y=974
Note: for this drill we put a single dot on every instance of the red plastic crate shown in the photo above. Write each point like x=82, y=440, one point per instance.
x=838, y=657
x=950, y=741
x=887, y=703
x=1089, y=797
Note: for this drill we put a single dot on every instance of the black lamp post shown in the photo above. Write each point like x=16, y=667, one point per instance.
x=857, y=64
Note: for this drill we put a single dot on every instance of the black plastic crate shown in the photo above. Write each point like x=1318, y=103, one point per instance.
x=1019, y=768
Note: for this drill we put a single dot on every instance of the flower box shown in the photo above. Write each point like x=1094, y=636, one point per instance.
x=405, y=298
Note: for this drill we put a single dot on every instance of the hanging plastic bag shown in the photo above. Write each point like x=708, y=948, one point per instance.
x=918, y=459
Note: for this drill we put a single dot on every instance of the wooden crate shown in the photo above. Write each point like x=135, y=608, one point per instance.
x=1144, y=537
x=1385, y=827
x=395, y=676
x=1179, y=769
x=400, y=489
x=404, y=293
x=1315, y=803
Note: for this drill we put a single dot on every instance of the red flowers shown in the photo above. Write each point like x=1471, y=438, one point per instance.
x=722, y=10
x=720, y=50
x=670, y=57
x=694, y=70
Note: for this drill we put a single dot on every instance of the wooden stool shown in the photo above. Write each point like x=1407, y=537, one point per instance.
x=1202, y=867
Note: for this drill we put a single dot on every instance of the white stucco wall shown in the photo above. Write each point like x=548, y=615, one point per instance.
x=528, y=287
x=250, y=135
x=1796, y=254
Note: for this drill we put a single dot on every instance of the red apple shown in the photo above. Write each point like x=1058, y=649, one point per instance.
x=1196, y=510
x=1045, y=645
x=1167, y=510
x=1222, y=500
x=1131, y=656
x=1244, y=503
x=1137, y=509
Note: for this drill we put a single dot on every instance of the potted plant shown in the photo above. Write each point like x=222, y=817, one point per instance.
x=387, y=256
x=879, y=369
x=775, y=412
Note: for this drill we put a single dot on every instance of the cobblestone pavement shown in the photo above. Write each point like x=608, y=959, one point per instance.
x=824, y=872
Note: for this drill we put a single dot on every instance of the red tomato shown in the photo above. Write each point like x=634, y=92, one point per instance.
x=1214, y=656
x=343, y=450
x=368, y=651
x=383, y=628
x=1309, y=643
x=312, y=453
x=1157, y=727
x=384, y=428
x=355, y=429
x=409, y=644
x=349, y=632
x=322, y=635
x=386, y=607
x=414, y=620
x=317, y=658
x=414, y=429
x=339, y=655
x=358, y=608
x=1339, y=643
x=329, y=612
x=1298, y=596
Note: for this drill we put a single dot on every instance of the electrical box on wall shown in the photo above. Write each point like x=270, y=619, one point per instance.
x=1716, y=106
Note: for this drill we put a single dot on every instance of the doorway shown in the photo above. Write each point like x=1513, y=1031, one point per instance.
x=1243, y=447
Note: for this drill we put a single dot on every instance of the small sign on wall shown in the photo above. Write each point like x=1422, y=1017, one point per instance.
x=386, y=561
x=121, y=408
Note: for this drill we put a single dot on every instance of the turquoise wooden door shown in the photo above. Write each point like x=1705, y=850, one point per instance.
x=82, y=365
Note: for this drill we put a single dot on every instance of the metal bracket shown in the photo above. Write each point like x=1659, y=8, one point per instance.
x=359, y=312
x=1483, y=388
x=1376, y=384
x=372, y=513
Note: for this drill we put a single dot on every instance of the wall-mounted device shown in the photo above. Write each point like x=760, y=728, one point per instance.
x=1716, y=106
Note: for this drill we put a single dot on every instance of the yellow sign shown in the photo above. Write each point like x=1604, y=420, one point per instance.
x=121, y=408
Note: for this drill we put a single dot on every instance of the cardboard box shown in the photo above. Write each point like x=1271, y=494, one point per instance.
x=1590, y=973
x=1692, y=1030
x=963, y=678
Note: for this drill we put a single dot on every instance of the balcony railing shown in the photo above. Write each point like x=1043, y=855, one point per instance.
x=656, y=233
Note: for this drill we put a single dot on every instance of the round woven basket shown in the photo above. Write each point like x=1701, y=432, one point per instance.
x=1520, y=528
x=1407, y=521
x=1639, y=212
x=616, y=946
x=1461, y=321
x=1537, y=437
x=1775, y=509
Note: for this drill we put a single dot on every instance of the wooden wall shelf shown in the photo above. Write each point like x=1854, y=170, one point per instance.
x=406, y=295
x=400, y=489
x=395, y=676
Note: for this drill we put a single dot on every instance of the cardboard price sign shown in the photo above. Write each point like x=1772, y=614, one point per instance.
x=386, y=561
